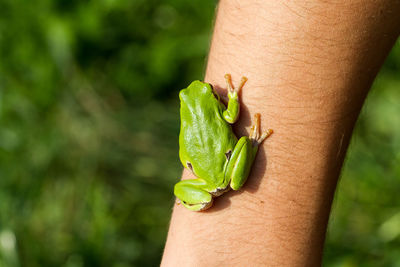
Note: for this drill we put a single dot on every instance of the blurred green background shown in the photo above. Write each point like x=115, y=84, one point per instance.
x=89, y=136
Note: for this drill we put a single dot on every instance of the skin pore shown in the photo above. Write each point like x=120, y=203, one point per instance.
x=309, y=66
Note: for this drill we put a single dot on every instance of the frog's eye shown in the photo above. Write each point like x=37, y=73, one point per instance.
x=189, y=165
x=216, y=95
x=228, y=154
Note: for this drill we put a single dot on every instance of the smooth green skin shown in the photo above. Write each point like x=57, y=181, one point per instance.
x=209, y=148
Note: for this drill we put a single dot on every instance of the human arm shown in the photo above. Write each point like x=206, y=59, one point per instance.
x=309, y=65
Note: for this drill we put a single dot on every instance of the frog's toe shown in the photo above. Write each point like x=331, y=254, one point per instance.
x=255, y=135
x=229, y=84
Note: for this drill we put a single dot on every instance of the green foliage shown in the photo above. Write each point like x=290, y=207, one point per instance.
x=89, y=126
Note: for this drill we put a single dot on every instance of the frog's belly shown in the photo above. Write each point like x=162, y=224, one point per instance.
x=220, y=191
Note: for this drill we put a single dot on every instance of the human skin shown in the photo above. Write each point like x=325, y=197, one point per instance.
x=309, y=65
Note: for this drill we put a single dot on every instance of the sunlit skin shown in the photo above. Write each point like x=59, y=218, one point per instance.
x=310, y=65
x=209, y=148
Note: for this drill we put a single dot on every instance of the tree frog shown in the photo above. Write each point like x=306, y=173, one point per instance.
x=209, y=148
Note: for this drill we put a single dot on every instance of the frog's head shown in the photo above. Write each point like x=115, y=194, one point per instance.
x=198, y=91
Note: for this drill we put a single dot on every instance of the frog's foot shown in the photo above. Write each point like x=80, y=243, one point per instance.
x=255, y=136
x=192, y=194
x=231, y=88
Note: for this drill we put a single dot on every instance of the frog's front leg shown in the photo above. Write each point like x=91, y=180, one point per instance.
x=231, y=114
x=193, y=195
x=244, y=153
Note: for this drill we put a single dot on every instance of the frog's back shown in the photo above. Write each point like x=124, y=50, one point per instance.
x=205, y=137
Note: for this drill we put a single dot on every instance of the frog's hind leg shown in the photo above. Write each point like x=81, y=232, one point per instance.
x=244, y=153
x=240, y=163
x=193, y=195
